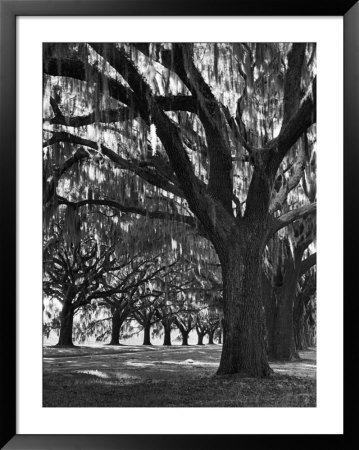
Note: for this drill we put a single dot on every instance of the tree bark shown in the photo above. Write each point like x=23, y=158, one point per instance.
x=269, y=303
x=184, y=332
x=243, y=322
x=309, y=334
x=210, y=337
x=282, y=346
x=167, y=333
x=184, y=337
x=147, y=333
x=66, y=320
x=221, y=333
x=200, y=338
x=298, y=323
x=116, y=326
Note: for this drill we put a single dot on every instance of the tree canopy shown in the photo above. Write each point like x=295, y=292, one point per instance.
x=212, y=140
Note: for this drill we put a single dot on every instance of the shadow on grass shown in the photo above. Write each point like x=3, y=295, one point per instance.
x=96, y=389
x=175, y=376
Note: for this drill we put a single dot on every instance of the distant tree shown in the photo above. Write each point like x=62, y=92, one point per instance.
x=131, y=281
x=120, y=311
x=304, y=314
x=82, y=266
x=185, y=322
x=176, y=287
x=213, y=322
x=201, y=326
x=146, y=317
x=218, y=333
x=73, y=273
x=286, y=269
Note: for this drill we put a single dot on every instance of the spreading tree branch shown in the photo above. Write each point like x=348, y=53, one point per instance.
x=293, y=215
x=308, y=263
x=288, y=185
x=189, y=220
x=157, y=178
x=168, y=133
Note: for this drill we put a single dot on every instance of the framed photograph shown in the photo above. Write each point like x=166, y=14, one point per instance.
x=175, y=253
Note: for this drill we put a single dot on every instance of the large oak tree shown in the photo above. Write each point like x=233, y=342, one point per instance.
x=208, y=130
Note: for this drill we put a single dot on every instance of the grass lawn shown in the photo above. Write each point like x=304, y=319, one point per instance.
x=157, y=376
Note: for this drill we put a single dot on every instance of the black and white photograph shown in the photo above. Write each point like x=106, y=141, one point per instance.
x=179, y=224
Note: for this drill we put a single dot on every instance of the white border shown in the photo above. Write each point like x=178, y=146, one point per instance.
x=327, y=416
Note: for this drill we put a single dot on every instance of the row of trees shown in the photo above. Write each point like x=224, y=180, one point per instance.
x=212, y=140
x=111, y=326
x=108, y=290
x=138, y=279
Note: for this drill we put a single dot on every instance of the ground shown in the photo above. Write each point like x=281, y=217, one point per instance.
x=158, y=376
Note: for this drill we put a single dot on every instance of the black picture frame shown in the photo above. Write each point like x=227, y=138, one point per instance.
x=9, y=10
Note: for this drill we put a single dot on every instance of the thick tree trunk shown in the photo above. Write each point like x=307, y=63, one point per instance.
x=298, y=322
x=147, y=333
x=269, y=303
x=299, y=336
x=116, y=326
x=184, y=337
x=309, y=328
x=167, y=333
x=183, y=331
x=220, y=335
x=306, y=334
x=282, y=345
x=66, y=320
x=200, y=338
x=210, y=337
x=244, y=348
x=309, y=335
x=313, y=337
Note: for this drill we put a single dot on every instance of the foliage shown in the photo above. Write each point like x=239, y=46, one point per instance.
x=190, y=155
